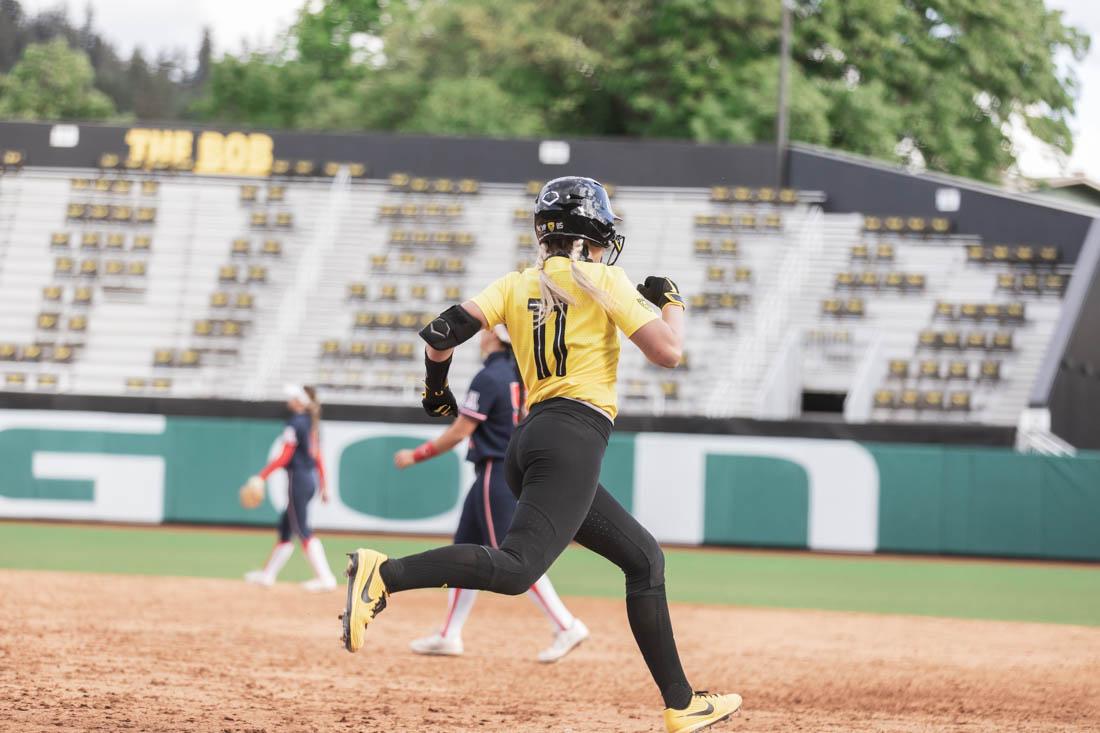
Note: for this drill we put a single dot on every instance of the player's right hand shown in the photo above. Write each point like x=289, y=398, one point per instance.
x=404, y=458
x=439, y=403
x=661, y=291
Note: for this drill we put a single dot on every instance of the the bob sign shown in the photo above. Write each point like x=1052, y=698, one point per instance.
x=208, y=153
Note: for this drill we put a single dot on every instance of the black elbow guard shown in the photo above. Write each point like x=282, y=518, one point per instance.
x=450, y=328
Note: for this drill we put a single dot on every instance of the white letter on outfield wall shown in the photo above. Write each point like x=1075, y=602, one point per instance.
x=670, y=485
x=126, y=488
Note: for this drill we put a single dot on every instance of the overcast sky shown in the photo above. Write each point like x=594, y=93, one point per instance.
x=157, y=24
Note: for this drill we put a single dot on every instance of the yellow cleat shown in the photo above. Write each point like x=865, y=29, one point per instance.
x=366, y=596
x=705, y=710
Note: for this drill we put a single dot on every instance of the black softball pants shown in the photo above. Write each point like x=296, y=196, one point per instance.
x=553, y=466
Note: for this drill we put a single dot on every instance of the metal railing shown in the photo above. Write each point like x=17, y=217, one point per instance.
x=289, y=317
x=1033, y=435
x=749, y=357
x=860, y=399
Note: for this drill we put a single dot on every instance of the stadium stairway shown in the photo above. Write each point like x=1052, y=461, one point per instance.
x=784, y=272
x=839, y=232
x=304, y=199
x=663, y=239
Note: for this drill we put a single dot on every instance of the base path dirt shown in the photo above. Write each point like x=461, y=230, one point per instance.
x=127, y=653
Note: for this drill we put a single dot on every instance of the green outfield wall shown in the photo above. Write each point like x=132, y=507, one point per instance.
x=832, y=495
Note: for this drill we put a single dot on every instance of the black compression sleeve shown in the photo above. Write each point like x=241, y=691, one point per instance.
x=435, y=373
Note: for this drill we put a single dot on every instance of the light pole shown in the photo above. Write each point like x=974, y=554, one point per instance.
x=781, y=123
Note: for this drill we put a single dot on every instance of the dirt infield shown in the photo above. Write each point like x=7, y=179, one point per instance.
x=115, y=653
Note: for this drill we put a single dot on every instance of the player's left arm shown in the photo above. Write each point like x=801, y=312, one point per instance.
x=461, y=429
x=451, y=328
x=461, y=321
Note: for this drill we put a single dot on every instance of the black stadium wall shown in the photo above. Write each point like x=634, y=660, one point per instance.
x=627, y=162
x=1068, y=383
x=1074, y=400
x=854, y=184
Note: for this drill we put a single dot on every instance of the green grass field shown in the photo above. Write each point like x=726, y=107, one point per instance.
x=959, y=588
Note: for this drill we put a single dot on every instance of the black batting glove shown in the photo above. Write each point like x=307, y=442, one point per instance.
x=439, y=403
x=661, y=291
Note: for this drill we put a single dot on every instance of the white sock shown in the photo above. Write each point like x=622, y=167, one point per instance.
x=544, y=596
x=278, y=558
x=460, y=602
x=316, y=554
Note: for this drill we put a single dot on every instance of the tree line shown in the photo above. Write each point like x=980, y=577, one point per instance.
x=936, y=82
x=53, y=68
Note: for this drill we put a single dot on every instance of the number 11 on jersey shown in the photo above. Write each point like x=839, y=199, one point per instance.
x=561, y=353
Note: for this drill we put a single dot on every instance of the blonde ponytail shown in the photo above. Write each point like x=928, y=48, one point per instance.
x=314, y=408
x=600, y=296
x=553, y=296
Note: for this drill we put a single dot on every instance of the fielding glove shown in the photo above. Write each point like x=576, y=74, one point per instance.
x=439, y=403
x=252, y=493
x=661, y=291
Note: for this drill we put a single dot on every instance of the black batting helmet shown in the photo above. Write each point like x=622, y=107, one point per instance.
x=575, y=207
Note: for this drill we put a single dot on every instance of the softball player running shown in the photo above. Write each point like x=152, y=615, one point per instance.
x=301, y=457
x=487, y=417
x=562, y=315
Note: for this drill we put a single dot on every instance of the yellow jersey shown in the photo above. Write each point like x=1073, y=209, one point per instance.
x=575, y=352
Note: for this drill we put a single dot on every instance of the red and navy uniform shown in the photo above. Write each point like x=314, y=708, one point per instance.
x=302, y=461
x=493, y=401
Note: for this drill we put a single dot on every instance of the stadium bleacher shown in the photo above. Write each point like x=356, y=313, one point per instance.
x=136, y=282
